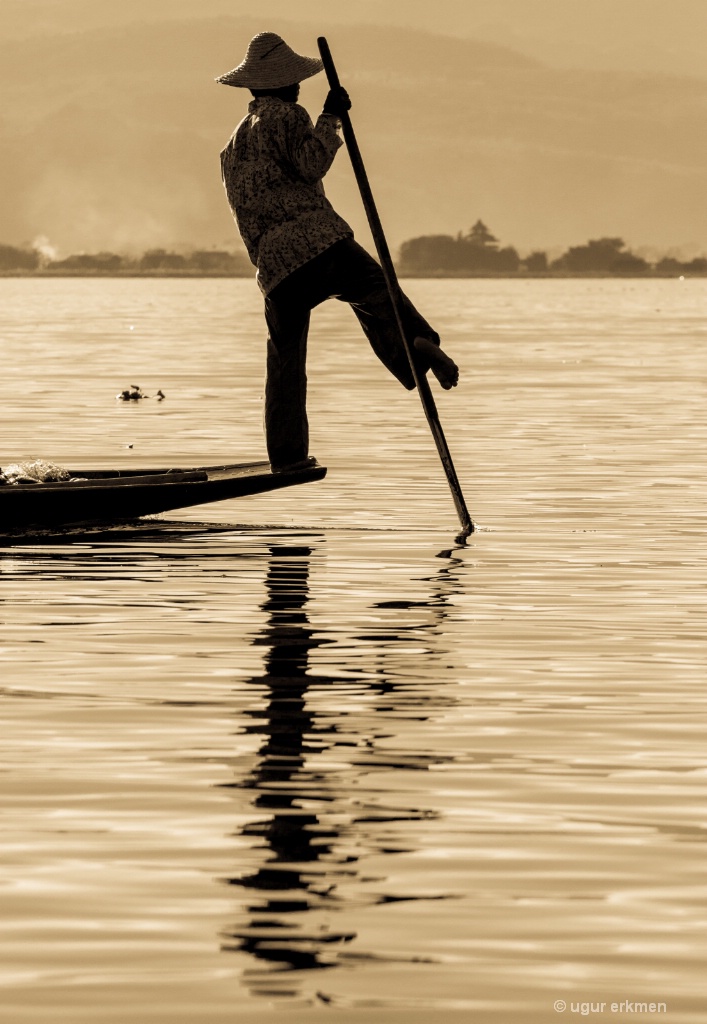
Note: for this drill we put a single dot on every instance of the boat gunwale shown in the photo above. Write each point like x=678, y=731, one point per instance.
x=105, y=479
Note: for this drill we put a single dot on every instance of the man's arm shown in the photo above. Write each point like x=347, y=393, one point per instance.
x=312, y=148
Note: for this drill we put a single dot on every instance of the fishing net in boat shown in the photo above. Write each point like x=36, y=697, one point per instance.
x=35, y=472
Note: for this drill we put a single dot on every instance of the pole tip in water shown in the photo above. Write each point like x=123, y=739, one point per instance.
x=461, y=537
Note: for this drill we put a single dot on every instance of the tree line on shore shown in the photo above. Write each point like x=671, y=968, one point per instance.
x=200, y=262
x=477, y=252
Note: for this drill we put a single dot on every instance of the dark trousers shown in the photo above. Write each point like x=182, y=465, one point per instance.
x=345, y=271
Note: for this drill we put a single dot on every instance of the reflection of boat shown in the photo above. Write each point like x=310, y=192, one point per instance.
x=107, y=495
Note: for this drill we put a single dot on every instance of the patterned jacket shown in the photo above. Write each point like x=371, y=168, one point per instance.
x=272, y=170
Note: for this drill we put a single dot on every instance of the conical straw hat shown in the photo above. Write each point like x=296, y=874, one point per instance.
x=271, y=64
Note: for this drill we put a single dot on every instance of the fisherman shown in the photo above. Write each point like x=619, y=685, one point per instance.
x=272, y=170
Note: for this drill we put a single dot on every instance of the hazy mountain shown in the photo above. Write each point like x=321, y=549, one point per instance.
x=648, y=36
x=665, y=36
x=111, y=136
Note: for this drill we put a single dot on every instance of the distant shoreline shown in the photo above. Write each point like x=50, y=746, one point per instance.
x=408, y=275
x=475, y=255
x=123, y=273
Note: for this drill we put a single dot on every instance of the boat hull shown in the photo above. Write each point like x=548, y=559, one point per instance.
x=100, y=496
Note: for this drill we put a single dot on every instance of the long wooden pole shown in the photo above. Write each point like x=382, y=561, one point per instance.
x=396, y=298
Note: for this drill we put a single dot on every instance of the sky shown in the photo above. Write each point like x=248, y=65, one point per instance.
x=552, y=120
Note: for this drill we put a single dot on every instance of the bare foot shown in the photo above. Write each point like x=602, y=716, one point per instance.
x=445, y=369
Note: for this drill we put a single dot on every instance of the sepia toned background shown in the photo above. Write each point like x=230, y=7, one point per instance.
x=300, y=756
x=553, y=121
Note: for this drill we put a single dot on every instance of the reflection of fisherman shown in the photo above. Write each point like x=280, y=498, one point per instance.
x=313, y=823
x=304, y=252
x=286, y=930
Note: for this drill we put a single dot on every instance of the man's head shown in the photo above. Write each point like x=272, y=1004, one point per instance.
x=270, y=66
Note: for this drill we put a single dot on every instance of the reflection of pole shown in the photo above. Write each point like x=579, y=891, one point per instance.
x=295, y=838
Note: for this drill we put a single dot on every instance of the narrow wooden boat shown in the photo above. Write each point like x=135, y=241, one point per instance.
x=101, y=496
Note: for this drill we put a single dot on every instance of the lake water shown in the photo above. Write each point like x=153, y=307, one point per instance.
x=298, y=756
